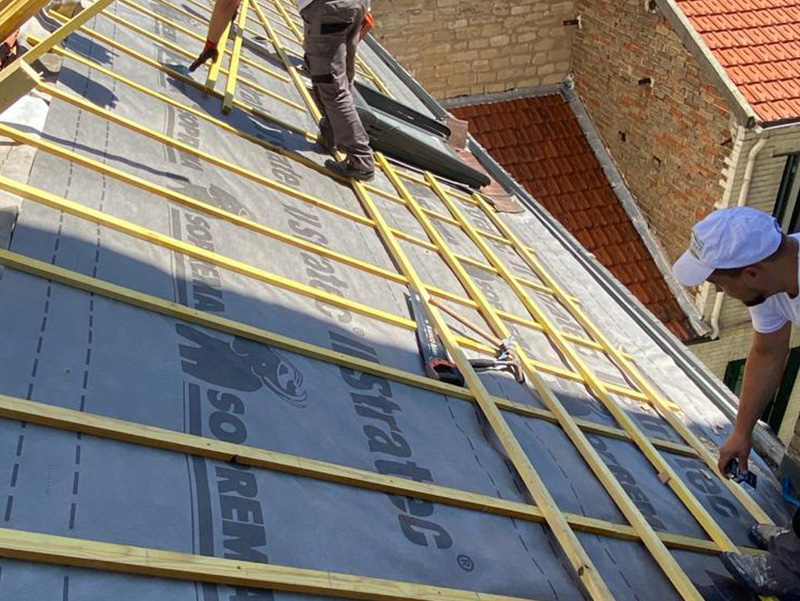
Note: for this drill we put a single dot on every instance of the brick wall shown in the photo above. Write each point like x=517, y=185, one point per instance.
x=468, y=47
x=669, y=141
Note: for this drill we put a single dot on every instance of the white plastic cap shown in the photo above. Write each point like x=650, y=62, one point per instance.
x=727, y=239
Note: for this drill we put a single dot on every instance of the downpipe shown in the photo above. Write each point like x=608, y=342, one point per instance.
x=741, y=201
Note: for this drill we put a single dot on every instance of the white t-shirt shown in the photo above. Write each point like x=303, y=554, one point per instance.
x=771, y=315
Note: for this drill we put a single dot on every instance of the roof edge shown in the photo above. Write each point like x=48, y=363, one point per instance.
x=765, y=442
x=623, y=194
x=495, y=97
x=693, y=41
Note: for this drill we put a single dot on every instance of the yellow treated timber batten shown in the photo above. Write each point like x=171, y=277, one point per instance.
x=68, y=27
x=287, y=64
x=131, y=432
x=67, y=419
x=648, y=537
x=365, y=69
x=656, y=399
x=181, y=77
x=280, y=150
x=15, y=13
x=60, y=550
x=141, y=233
x=216, y=65
x=230, y=84
x=216, y=212
x=187, y=201
x=212, y=159
x=18, y=79
x=213, y=211
x=179, y=50
x=580, y=561
x=229, y=326
x=159, y=17
x=183, y=147
x=61, y=204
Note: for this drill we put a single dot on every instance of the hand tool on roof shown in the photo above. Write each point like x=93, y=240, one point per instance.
x=439, y=366
x=504, y=359
x=735, y=473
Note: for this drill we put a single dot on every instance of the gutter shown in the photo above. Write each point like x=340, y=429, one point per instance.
x=764, y=441
x=708, y=62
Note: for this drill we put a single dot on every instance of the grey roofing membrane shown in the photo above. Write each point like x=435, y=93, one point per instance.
x=69, y=348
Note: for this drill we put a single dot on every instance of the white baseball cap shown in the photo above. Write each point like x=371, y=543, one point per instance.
x=727, y=239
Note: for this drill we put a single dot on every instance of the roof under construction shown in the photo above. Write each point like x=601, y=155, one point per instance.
x=211, y=383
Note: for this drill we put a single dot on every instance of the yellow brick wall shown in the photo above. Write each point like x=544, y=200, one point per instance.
x=467, y=47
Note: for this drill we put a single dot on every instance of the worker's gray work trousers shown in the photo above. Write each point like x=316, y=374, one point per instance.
x=332, y=29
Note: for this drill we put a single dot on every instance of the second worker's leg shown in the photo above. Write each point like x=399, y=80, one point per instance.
x=329, y=25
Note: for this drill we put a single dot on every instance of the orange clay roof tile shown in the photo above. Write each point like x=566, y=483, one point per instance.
x=540, y=142
x=758, y=43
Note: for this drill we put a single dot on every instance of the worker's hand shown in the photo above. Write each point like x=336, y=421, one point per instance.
x=738, y=447
x=208, y=53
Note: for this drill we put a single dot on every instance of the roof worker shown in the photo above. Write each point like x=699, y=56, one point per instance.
x=744, y=253
x=331, y=37
x=223, y=14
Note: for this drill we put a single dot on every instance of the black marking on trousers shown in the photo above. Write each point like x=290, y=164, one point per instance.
x=326, y=78
x=331, y=28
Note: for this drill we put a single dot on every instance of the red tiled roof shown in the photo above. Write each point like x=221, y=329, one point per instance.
x=758, y=43
x=539, y=141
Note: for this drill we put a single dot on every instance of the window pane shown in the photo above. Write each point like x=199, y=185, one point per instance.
x=734, y=375
x=775, y=411
x=787, y=181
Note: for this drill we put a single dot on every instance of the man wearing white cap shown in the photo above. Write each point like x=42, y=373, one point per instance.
x=743, y=252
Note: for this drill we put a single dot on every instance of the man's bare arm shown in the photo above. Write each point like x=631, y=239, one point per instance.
x=224, y=11
x=763, y=370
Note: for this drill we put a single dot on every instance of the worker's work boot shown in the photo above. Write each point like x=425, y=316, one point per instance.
x=345, y=169
x=763, y=534
x=762, y=574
